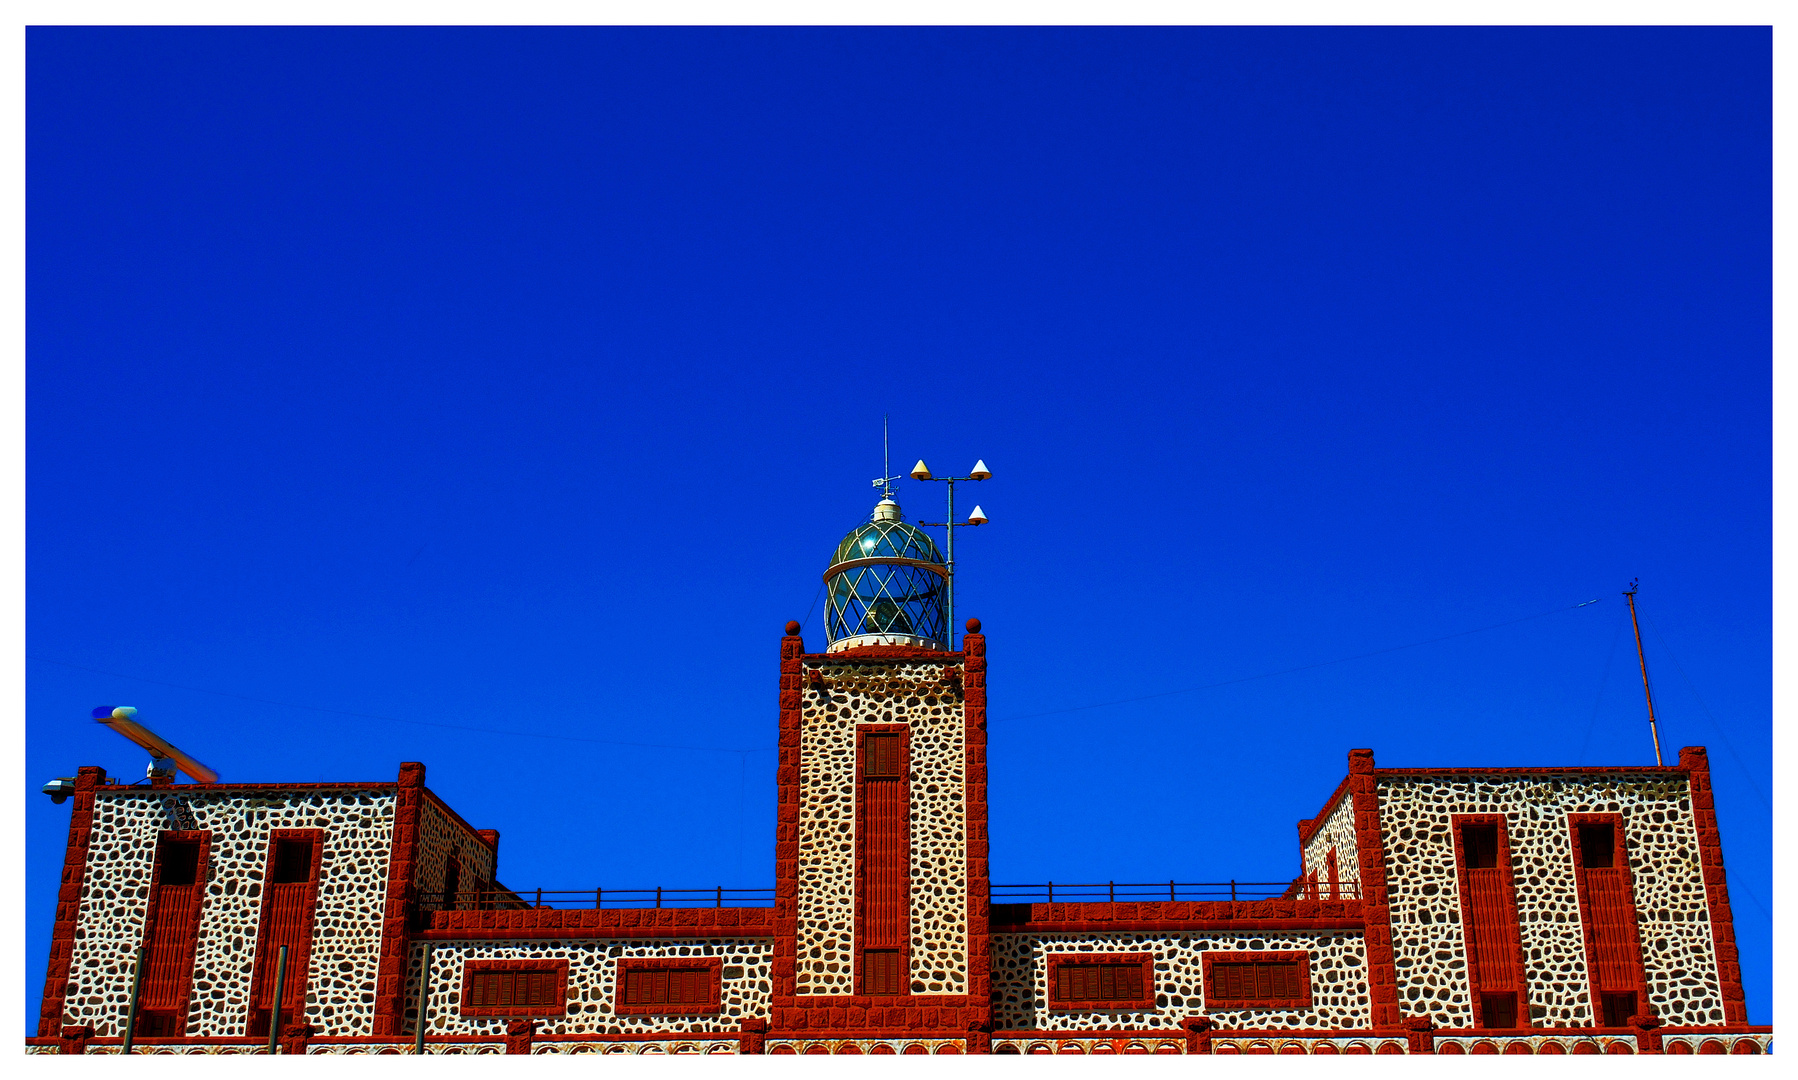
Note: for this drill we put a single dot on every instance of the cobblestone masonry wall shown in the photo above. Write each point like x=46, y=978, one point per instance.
x=1680, y=967
x=896, y=691
x=1337, y=831
x=438, y=835
x=358, y=828
x=744, y=989
x=1338, y=980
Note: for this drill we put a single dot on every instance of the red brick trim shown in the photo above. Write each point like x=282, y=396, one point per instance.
x=1214, y=999
x=338, y=785
x=878, y=1017
x=786, y=827
x=487, y=838
x=862, y=731
x=1308, y=828
x=711, y=964
x=1587, y=930
x=1370, y=849
x=1531, y=770
x=1519, y=982
x=68, y=900
x=518, y=1036
x=75, y=1039
x=1057, y=961
x=1696, y=764
x=184, y=963
x=1182, y=915
x=590, y=923
x=301, y=960
x=974, y=807
x=396, y=919
x=470, y=968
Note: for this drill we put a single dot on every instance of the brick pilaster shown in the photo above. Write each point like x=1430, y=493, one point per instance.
x=396, y=928
x=68, y=902
x=1697, y=765
x=1370, y=845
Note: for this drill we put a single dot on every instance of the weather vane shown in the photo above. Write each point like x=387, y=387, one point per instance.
x=886, y=481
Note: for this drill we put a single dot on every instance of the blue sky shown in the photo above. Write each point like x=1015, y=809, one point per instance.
x=491, y=398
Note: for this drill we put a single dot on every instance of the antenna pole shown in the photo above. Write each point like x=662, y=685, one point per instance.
x=949, y=564
x=1642, y=658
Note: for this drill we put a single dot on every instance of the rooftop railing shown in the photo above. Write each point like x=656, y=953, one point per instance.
x=1054, y=892
x=602, y=898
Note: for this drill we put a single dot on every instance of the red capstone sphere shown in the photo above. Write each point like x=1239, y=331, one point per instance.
x=792, y=629
x=973, y=626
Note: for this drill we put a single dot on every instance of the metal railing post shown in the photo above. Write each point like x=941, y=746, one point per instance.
x=1232, y=888
x=720, y=896
x=424, y=999
x=137, y=989
x=274, y=1014
x=539, y=896
x=658, y=896
x=599, y=896
x=1170, y=890
x=1051, y=892
x=1111, y=892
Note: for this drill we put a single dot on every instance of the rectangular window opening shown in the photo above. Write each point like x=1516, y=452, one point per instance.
x=1498, y=1010
x=882, y=972
x=1618, y=1008
x=1479, y=846
x=1598, y=846
x=293, y=862
x=668, y=986
x=1099, y=982
x=180, y=862
x=1267, y=980
x=512, y=989
x=881, y=759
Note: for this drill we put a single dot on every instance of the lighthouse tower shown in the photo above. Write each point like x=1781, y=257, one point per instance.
x=881, y=844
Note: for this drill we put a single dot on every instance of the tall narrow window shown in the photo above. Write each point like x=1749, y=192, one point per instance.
x=452, y=881
x=177, y=891
x=1489, y=920
x=289, y=898
x=1607, y=909
x=883, y=924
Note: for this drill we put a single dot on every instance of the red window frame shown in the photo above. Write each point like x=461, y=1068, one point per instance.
x=471, y=968
x=877, y=926
x=711, y=964
x=1629, y=936
x=1058, y=961
x=160, y=1008
x=299, y=957
x=1216, y=1000
x=1509, y=974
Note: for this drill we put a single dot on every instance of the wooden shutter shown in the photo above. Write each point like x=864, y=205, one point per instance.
x=171, y=932
x=1489, y=914
x=1607, y=915
x=882, y=973
x=884, y=844
x=289, y=900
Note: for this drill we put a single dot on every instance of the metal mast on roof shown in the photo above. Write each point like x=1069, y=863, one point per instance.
x=1642, y=658
x=979, y=472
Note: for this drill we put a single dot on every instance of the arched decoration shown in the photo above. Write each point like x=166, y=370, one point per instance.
x=951, y=1048
x=1445, y=1048
x=1586, y=1046
x=881, y=1048
x=920, y=1048
x=1325, y=1047
x=1357, y=1048
x=1619, y=1047
x=1391, y=1048
x=1293, y=1048
x=1484, y=1047
x=1679, y=1046
x=1746, y=1046
x=783, y=1048
x=1551, y=1047
x=849, y=1048
x=1711, y=1046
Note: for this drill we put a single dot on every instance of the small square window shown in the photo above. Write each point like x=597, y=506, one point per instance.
x=293, y=862
x=1479, y=846
x=1598, y=846
x=1618, y=1008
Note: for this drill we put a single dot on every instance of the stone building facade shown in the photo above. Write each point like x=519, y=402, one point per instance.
x=1502, y=910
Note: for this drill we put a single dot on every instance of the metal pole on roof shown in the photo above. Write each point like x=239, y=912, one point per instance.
x=1642, y=657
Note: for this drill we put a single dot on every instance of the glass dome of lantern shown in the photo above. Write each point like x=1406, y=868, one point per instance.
x=886, y=586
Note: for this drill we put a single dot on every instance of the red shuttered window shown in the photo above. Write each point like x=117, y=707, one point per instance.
x=177, y=891
x=289, y=901
x=1257, y=980
x=1607, y=910
x=520, y=988
x=504, y=989
x=668, y=985
x=1085, y=982
x=1489, y=918
x=883, y=871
